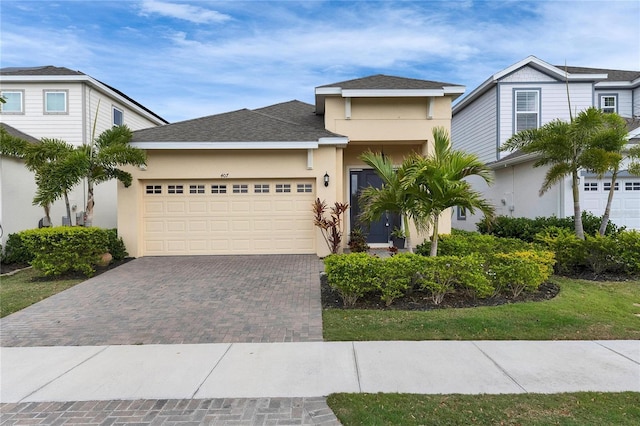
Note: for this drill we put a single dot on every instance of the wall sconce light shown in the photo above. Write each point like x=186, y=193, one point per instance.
x=326, y=179
x=143, y=167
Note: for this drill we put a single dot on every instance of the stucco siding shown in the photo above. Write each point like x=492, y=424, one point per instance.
x=473, y=129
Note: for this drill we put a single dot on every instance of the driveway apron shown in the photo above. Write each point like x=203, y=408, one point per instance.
x=186, y=299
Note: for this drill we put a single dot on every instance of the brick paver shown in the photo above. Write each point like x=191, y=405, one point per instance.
x=261, y=411
x=173, y=300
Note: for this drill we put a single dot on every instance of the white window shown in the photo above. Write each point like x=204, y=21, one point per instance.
x=13, y=102
x=118, y=117
x=305, y=187
x=175, y=189
x=154, y=189
x=218, y=189
x=261, y=188
x=591, y=186
x=196, y=189
x=632, y=186
x=240, y=189
x=607, y=186
x=608, y=103
x=527, y=109
x=55, y=101
x=283, y=187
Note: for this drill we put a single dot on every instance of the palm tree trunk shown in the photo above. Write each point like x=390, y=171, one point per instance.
x=47, y=213
x=434, y=238
x=407, y=233
x=88, y=213
x=607, y=210
x=66, y=202
x=577, y=213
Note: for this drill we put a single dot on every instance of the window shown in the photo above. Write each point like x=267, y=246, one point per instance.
x=175, y=189
x=118, y=117
x=13, y=102
x=632, y=186
x=240, y=189
x=305, y=187
x=283, y=187
x=218, y=189
x=591, y=186
x=261, y=188
x=607, y=186
x=462, y=213
x=608, y=103
x=55, y=102
x=527, y=109
x=196, y=189
x=154, y=189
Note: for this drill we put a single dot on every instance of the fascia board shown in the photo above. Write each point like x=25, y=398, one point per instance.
x=43, y=78
x=617, y=84
x=226, y=145
x=391, y=93
x=500, y=164
x=328, y=90
x=454, y=90
x=340, y=142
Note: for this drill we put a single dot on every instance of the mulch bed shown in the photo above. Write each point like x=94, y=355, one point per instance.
x=5, y=268
x=420, y=301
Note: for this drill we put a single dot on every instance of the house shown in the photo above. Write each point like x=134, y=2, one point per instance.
x=243, y=182
x=529, y=94
x=59, y=103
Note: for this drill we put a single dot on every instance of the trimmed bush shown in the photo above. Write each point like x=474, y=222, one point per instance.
x=526, y=229
x=63, y=249
x=395, y=276
x=468, y=243
x=15, y=251
x=520, y=271
x=352, y=275
x=116, y=245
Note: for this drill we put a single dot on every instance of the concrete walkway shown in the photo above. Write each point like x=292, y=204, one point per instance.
x=314, y=369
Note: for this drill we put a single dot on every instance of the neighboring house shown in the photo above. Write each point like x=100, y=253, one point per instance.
x=243, y=182
x=529, y=94
x=58, y=103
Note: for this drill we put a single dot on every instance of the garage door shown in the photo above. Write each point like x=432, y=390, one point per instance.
x=625, y=208
x=228, y=217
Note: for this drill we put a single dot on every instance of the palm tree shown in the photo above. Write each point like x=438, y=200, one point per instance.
x=566, y=147
x=435, y=183
x=109, y=151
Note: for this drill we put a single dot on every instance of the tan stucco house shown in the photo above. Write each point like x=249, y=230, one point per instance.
x=243, y=182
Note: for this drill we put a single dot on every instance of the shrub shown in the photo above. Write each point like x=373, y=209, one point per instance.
x=116, y=245
x=395, y=276
x=441, y=275
x=520, y=271
x=358, y=241
x=352, y=275
x=467, y=243
x=15, y=251
x=628, y=251
x=570, y=252
x=63, y=249
x=526, y=229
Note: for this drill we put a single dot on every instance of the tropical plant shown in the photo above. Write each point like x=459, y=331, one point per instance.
x=567, y=147
x=437, y=182
x=331, y=227
x=103, y=156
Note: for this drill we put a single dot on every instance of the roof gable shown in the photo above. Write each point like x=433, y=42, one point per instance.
x=42, y=70
x=387, y=82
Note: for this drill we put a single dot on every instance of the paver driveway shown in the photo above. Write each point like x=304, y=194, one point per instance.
x=186, y=299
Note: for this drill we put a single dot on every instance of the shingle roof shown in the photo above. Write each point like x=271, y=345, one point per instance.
x=387, y=82
x=17, y=133
x=238, y=126
x=612, y=75
x=295, y=111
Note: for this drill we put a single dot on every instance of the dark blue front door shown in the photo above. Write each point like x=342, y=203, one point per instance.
x=377, y=232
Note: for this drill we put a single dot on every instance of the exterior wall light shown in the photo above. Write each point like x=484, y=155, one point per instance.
x=326, y=179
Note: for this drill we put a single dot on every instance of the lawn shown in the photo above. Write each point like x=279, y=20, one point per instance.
x=584, y=409
x=583, y=310
x=20, y=290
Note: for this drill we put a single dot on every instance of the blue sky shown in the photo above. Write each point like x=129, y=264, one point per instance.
x=188, y=59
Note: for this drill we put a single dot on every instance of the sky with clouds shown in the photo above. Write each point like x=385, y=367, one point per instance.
x=188, y=59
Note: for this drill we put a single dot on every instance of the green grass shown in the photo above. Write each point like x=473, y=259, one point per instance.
x=583, y=409
x=582, y=310
x=19, y=291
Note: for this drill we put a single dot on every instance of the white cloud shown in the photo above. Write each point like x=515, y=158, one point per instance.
x=183, y=11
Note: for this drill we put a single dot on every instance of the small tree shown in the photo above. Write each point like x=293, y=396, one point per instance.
x=330, y=227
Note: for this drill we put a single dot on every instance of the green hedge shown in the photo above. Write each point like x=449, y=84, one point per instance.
x=526, y=229
x=116, y=245
x=63, y=249
x=358, y=274
x=461, y=243
x=15, y=251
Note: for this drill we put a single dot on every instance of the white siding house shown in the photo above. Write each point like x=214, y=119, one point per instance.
x=55, y=102
x=529, y=94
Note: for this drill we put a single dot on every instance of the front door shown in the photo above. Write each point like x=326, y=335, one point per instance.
x=379, y=231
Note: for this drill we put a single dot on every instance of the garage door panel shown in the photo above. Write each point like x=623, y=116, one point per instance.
x=625, y=208
x=219, y=221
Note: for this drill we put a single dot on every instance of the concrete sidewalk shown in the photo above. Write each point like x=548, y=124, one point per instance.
x=258, y=370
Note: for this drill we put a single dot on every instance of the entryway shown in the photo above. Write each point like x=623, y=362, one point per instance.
x=378, y=232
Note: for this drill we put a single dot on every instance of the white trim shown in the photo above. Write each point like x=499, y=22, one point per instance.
x=310, y=159
x=347, y=108
x=391, y=93
x=338, y=141
x=328, y=90
x=430, y=102
x=226, y=145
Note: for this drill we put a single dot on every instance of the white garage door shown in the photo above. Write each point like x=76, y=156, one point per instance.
x=228, y=217
x=625, y=208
